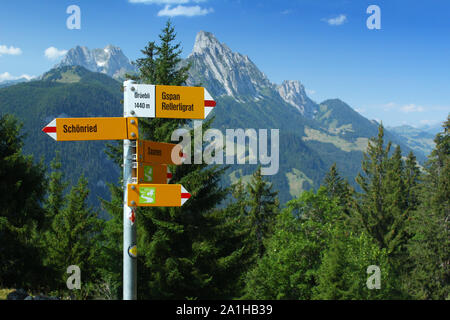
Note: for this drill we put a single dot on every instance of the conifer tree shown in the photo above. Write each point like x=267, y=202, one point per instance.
x=22, y=190
x=383, y=209
x=239, y=236
x=338, y=188
x=56, y=186
x=430, y=224
x=395, y=203
x=74, y=239
x=371, y=208
x=334, y=183
x=412, y=176
x=264, y=205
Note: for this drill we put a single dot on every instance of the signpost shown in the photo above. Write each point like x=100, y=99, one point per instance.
x=79, y=129
x=144, y=162
x=156, y=101
x=157, y=195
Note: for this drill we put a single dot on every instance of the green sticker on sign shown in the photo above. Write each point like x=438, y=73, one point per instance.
x=148, y=174
x=147, y=194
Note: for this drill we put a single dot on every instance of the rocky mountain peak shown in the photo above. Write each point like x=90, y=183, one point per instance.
x=109, y=60
x=206, y=40
x=226, y=72
x=293, y=92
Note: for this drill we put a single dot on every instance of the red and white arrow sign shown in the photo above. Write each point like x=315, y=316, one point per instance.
x=209, y=103
x=185, y=195
x=50, y=129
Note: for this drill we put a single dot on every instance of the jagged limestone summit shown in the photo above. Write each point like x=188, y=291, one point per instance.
x=110, y=60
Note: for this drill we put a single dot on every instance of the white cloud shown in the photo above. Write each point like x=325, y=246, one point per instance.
x=180, y=10
x=336, y=21
x=7, y=76
x=311, y=92
x=53, y=53
x=411, y=108
x=407, y=108
x=287, y=11
x=10, y=50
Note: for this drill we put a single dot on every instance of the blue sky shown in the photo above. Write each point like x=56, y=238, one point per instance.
x=399, y=74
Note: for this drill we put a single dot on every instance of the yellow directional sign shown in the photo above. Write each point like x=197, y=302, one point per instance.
x=157, y=195
x=76, y=129
x=153, y=173
x=180, y=102
x=159, y=152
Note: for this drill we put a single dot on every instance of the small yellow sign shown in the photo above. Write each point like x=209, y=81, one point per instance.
x=157, y=195
x=159, y=152
x=79, y=129
x=180, y=102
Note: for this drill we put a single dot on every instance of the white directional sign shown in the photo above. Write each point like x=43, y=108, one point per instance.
x=140, y=98
x=158, y=101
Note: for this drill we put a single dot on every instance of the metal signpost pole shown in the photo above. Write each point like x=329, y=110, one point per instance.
x=129, y=226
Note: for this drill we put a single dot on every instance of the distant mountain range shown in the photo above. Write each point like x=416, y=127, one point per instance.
x=433, y=129
x=417, y=139
x=8, y=83
x=312, y=135
x=110, y=60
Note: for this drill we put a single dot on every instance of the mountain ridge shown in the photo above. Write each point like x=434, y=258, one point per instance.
x=312, y=135
x=110, y=60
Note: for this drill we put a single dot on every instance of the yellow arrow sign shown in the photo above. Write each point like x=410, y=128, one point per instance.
x=76, y=129
x=157, y=195
x=180, y=102
x=159, y=152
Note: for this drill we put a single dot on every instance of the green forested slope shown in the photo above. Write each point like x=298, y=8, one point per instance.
x=67, y=92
